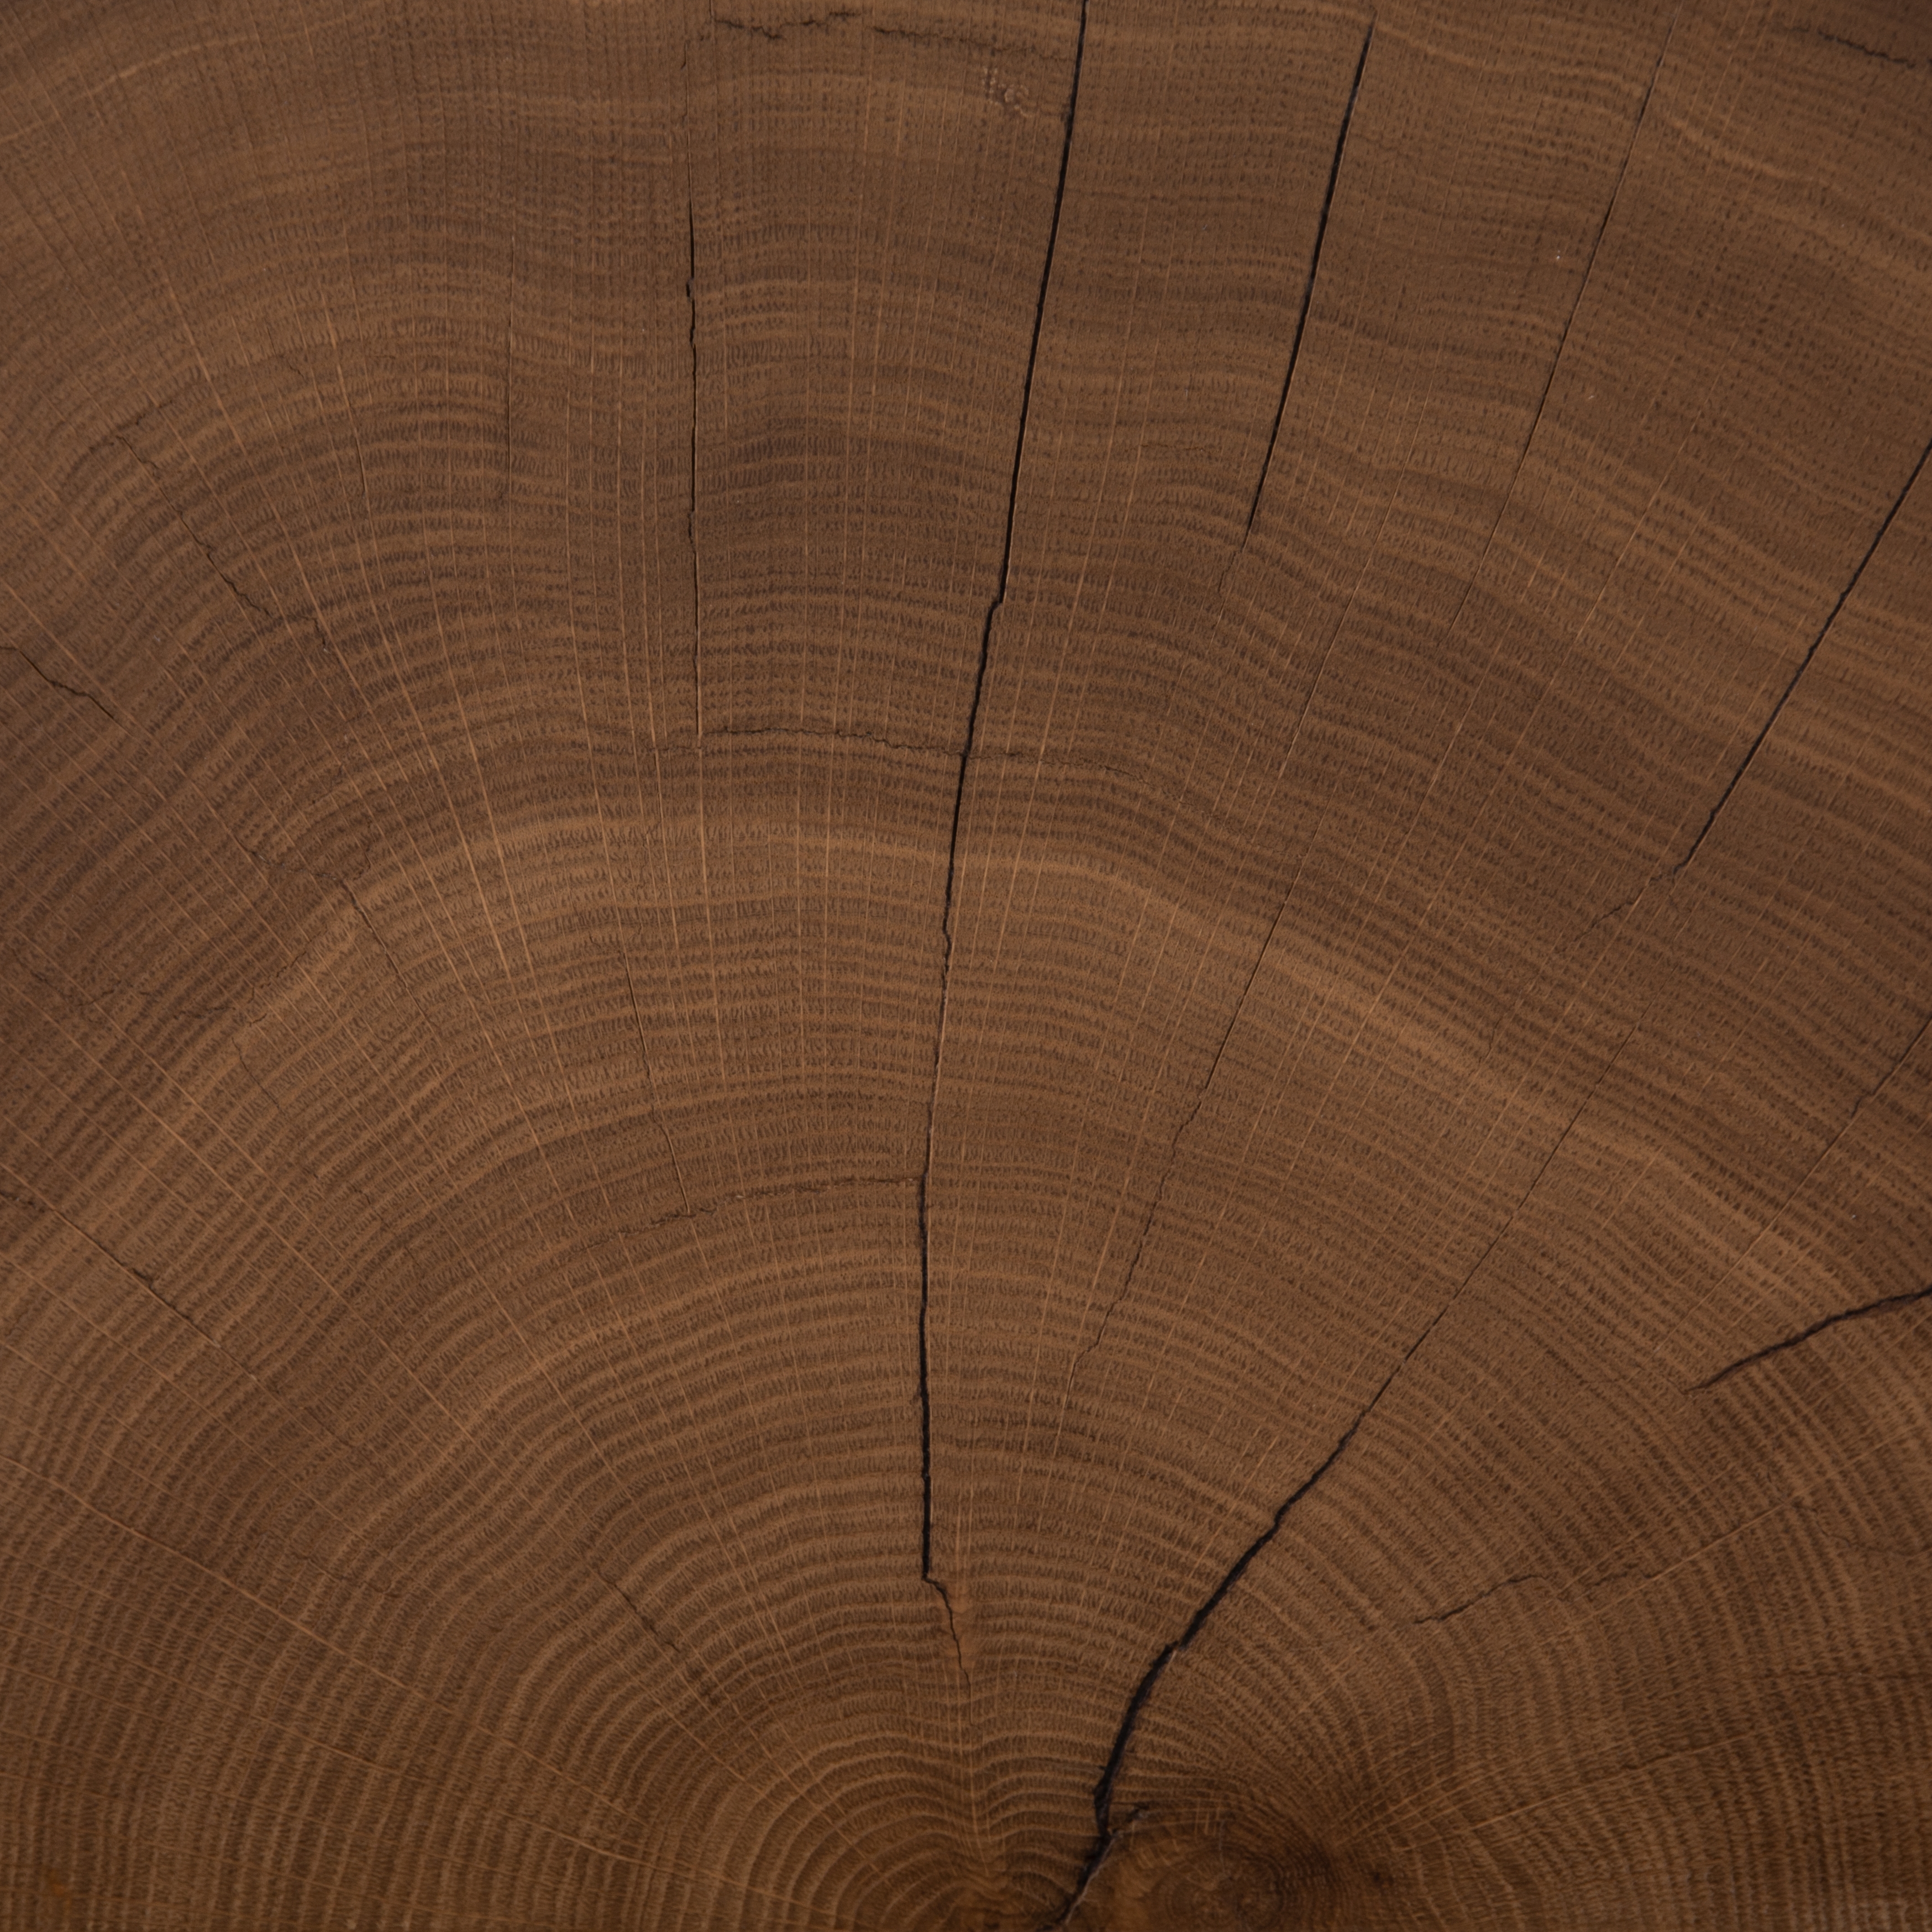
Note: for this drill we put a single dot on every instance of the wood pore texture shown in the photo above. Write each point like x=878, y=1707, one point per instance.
x=965, y=966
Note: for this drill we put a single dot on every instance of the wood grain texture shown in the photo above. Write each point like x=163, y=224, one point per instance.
x=966, y=966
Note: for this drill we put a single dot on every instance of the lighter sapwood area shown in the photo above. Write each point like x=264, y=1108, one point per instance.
x=967, y=966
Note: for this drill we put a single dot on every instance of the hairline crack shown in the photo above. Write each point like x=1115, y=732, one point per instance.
x=952, y=839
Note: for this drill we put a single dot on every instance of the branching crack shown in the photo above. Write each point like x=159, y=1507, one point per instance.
x=70, y=690
x=1803, y=663
x=1104, y=1828
x=952, y=838
x=1308, y=286
x=1883, y=1305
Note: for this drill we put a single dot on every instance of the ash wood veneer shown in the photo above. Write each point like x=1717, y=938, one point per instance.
x=966, y=965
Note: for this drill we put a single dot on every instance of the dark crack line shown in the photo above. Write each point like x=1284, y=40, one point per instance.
x=1615, y=912
x=993, y=608
x=690, y=500
x=70, y=690
x=41, y=1206
x=315, y=1562
x=509, y=359
x=1103, y=1790
x=779, y=29
x=1596, y=246
x=323, y=1184
x=1858, y=47
x=1105, y=1830
x=926, y=1570
x=925, y=1399
x=241, y=1061
x=1909, y=1552
x=788, y=1190
x=382, y=944
x=922, y=37
x=1480, y=1596
x=649, y=1625
x=235, y=589
x=1882, y=1306
x=70, y=989
x=1061, y=765
x=1180, y=1134
x=194, y=536
x=148, y=1281
x=1825, y=1153
x=1496, y=1240
x=1803, y=663
x=1308, y=287
x=952, y=838
x=1569, y=321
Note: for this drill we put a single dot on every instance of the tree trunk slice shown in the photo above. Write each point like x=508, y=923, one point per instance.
x=966, y=966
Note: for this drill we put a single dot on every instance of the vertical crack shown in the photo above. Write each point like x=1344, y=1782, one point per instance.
x=1563, y=341
x=509, y=353
x=952, y=837
x=926, y=1569
x=1804, y=663
x=691, y=500
x=1308, y=287
x=1173, y=1149
x=1590, y=266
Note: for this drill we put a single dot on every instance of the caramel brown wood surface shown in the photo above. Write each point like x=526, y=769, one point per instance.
x=966, y=965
